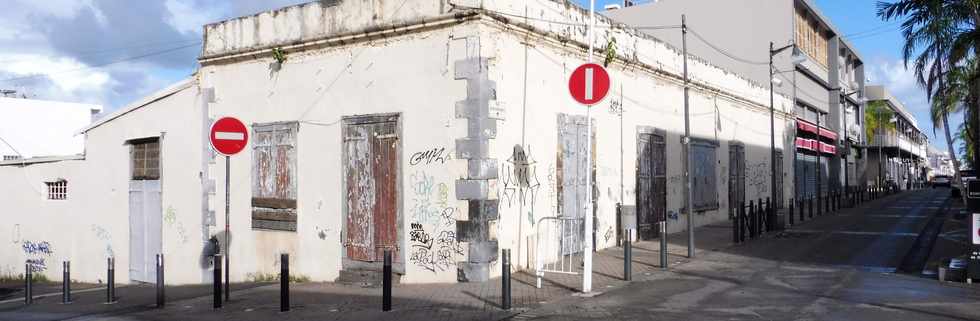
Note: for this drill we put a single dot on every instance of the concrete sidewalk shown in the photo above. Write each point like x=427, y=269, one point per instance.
x=330, y=301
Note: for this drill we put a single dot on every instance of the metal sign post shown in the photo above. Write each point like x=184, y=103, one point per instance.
x=228, y=137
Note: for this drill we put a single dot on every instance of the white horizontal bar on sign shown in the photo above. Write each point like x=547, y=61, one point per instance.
x=229, y=135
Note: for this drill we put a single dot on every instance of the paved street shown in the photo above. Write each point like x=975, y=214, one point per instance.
x=849, y=265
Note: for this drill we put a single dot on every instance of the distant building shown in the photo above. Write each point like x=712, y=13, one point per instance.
x=939, y=162
x=37, y=128
x=827, y=87
x=897, y=156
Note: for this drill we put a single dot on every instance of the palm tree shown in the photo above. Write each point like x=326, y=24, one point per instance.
x=935, y=35
x=877, y=122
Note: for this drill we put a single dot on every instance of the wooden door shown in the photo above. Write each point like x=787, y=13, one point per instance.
x=651, y=184
x=370, y=169
x=736, y=178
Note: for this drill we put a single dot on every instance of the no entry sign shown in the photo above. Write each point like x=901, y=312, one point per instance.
x=228, y=136
x=589, y=84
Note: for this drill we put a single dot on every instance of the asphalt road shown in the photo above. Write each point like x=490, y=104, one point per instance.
x=846, y=266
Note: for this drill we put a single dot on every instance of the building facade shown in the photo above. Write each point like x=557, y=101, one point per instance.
x=826, y=86
x=939, y=163
x=442, y=132
x=897, y=154
x=28, y=129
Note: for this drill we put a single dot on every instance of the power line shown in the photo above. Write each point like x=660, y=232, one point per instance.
x=155, y=53
x=871, y=29
x=574, y=24
x=723, y=52
x=90, y=53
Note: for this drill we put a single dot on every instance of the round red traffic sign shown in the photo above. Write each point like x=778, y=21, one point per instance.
x=589, y=84
x=228, y=136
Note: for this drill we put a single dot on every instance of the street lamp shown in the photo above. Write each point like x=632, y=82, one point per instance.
x=797, y=58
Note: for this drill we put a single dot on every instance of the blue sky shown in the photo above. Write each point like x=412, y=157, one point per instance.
x=44, y=39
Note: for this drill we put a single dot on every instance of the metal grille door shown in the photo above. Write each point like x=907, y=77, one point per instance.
x=736, y=177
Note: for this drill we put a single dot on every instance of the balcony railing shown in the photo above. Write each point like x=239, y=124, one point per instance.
x=900, y=142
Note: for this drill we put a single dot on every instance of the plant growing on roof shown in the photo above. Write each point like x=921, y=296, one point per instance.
x=279, y=55
x=610, y=54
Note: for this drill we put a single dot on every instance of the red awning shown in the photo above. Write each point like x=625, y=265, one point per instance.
x=803, y=143
x=806, y=126
x=828, y=134
x=828, y=148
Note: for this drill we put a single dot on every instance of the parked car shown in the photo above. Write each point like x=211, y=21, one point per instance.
x=966, y=175
x=941, y=181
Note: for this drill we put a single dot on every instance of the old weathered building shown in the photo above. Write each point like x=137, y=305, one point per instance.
x=440, y=130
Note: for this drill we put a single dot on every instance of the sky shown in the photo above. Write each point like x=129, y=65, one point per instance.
x=112, y=52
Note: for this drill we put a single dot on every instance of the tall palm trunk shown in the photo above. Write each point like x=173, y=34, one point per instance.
x=952, y=154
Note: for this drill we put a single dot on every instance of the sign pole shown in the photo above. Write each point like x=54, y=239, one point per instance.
x=587, y=259
x=227, y=225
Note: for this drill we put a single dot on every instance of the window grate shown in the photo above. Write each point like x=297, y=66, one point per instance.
x=57, y=190
x=146, y=160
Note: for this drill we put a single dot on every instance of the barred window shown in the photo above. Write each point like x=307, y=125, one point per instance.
x=57, y=190
x=146, y=159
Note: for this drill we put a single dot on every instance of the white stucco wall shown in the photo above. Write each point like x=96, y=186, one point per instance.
x=406, y=74
x=93, y=223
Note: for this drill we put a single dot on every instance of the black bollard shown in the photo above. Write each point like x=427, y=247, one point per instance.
x=386, y=283
x=769, y=215
x=284, y=282
x=110, y=295
x=741, y=221
x=505, y=280
x=627, y=258
x=28, y=287
x=161, y=296
x=216, y=281
x=734, y=224
x=663, y=244
x=809, y=202
x=792, y=202
x=751, y=219
x=66, y=282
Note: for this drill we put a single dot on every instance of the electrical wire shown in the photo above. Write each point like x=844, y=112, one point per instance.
x=567, y=23
x=155, y=53
x=723, y=52
x=90, y=53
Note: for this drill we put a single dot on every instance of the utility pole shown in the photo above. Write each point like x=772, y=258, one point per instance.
x=688, y=198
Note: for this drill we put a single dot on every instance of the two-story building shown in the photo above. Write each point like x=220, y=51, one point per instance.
x=897, y=154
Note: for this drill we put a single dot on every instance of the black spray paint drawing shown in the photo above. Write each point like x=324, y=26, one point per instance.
x=520, y=180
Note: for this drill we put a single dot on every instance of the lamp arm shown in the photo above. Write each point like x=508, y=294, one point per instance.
x=773, y=52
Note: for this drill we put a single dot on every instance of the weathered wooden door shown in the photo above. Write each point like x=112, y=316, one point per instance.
x=371, y=175
x=736, y=178
x=651, y=184
x=145, y=217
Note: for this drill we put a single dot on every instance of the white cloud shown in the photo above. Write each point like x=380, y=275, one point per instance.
x=187, y=18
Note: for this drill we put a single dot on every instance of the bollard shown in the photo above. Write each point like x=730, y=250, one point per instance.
x=734, y=224
x=802, y=204
x=769, y=215
x=741, y=222
x=28, y=287
x=627, y=258
x=386, y=283
x=66, y=282
x=110, y=296
x=216, y=281
x=792, y=202
x=505, y=280
x=751, y=219
x=161, y=296
x=663, y=244
x=284, y=280
x=809, y=202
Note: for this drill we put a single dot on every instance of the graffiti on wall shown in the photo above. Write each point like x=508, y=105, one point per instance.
x=37, y=252
x=519, y=179
x=432, y=237
x=103, y=235
x=434, y=253
x=170, y=218
x=437, y=155
x=757, y=176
